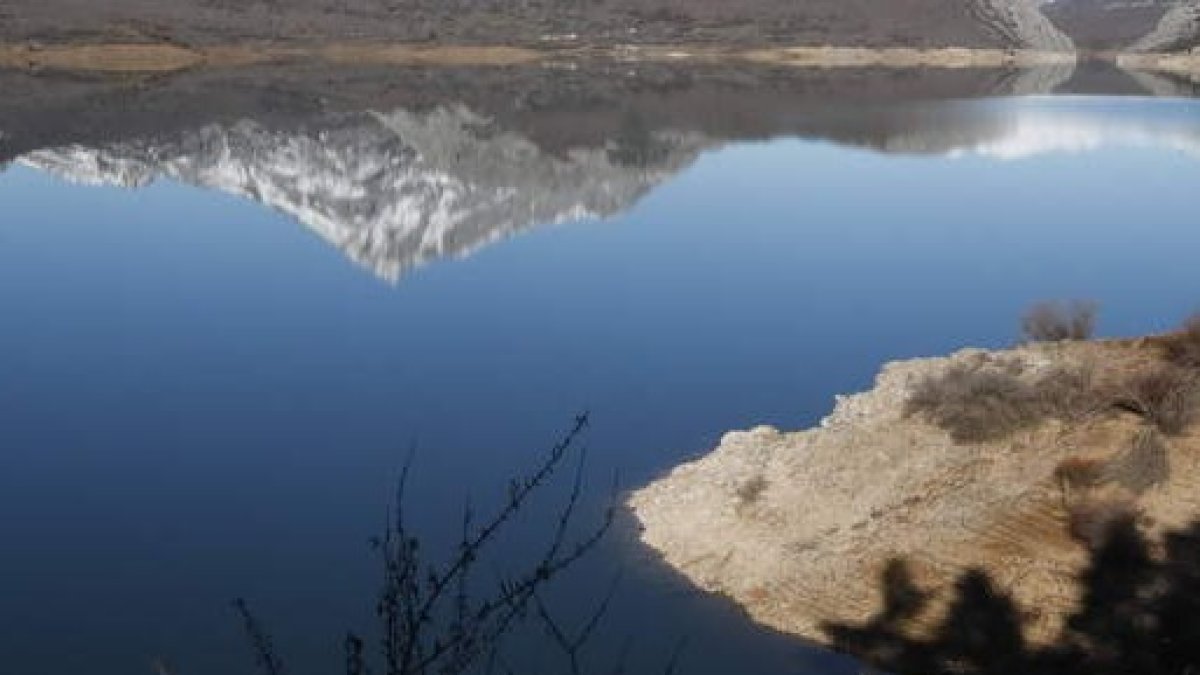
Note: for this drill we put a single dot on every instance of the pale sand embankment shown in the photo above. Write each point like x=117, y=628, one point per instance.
x=796, y=527
x=1184, y=64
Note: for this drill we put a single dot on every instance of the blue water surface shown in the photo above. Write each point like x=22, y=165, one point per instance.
x=201, y=400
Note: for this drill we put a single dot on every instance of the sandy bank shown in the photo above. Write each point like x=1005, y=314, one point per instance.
x=796, y=526
x=1186, y=64
x=166, y=57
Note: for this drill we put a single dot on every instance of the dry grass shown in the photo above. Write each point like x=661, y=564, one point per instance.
x=153, y=57
x=1165, y=395
x=1071, y=392
x=1057, y=321
x=1182, y=348
x=113, y=58
x=972, y=404
x=986, y=403
x=436, y=55
x=989, y=399
x=1142, y=465
x=1080, y=472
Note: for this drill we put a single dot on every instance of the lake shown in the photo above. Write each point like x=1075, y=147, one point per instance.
x=235, y=302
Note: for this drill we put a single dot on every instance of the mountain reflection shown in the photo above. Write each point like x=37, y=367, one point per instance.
x=399, y=169
x=391, y=190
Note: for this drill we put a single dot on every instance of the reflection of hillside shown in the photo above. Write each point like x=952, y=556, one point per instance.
x=556, y=108
x=1013, y=128
x=463, y=158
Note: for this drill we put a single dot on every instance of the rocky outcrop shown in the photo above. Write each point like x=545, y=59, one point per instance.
x=796, y=526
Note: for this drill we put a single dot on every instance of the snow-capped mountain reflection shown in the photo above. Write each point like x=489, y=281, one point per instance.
x=392, y=190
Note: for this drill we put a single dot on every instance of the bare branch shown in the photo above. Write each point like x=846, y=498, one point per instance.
x=260, y=641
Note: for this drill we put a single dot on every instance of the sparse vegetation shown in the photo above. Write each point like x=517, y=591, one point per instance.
x=1080, y=473
x=1166, y=395
x=973, y=404
x=979, y=403
x=1142, y=465
x=749, y=492
x=1182, y=348
x=991, y=399
x=1058, y=321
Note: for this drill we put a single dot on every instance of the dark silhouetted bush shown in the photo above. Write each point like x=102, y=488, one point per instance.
x=1137, y=615
x=1056, y=321
x=1089, y=522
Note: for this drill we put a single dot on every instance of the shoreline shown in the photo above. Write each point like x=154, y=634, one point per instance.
x=166, y=57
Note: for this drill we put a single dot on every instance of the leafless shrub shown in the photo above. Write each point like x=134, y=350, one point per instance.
x=269, y=662
x=975, y=403
x=1090, y=522
x=1166, y=395
x=1070, y=392
x=1182, y=348
x=1057, y=321
x=431, y=620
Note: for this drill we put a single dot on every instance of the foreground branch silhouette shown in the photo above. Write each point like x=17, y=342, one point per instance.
x=431, y=619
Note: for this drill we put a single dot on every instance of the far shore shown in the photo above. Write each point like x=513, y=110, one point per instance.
x=159, y=57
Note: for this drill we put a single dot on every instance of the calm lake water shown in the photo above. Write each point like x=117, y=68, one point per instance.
x=229, y=313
